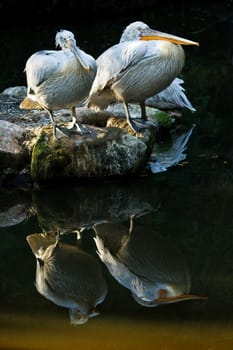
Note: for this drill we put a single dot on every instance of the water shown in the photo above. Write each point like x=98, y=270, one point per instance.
x=193, y=216
x=182, y=230
x=185, y=216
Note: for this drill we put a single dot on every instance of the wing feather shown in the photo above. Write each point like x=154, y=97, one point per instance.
x=116, y=60
x=42, y=65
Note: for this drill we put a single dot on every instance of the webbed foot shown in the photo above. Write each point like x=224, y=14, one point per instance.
x=60, y=132
x=138, y=126
x=77, y=128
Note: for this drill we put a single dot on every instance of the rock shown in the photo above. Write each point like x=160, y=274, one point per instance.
x=16, y=91
x=105, y=152
x=111, y=149
x=12, y=153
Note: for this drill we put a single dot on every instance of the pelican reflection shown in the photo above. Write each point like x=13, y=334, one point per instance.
x=150, y=267
x=68, y=276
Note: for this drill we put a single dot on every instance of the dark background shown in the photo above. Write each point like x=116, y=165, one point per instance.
x=13, y=12
x=29, y=26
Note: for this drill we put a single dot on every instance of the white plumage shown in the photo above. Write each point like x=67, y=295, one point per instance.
x=153, y=269
x=171, y=97
x=60, y=78
x=67, y=276
x=132, y=71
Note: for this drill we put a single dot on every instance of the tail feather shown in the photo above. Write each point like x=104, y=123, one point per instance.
x=99, y=101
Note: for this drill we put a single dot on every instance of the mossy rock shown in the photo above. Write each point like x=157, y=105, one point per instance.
x=163, y=119
x=103, y=152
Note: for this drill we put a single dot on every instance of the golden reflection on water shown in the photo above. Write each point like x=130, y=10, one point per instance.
x=27, y=332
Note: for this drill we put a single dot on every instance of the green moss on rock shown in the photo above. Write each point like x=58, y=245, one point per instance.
x=51, y=158
x=103, y=152
x=163, y=119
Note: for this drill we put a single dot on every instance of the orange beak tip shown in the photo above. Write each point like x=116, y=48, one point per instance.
x=166, y=300
x=172, y=40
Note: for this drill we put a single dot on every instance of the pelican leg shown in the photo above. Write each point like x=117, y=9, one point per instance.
x=131, y=223
x=144, y=116
x=75, y=126
x=56, y=128
x=131, y=123
x=58, y=236
x=129, y=119
x=143, y=111
x=78, y=233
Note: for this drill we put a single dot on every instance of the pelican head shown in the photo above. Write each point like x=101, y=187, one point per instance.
x=140, y=30
x=77, y=317
x=166, y=294
x=65, y=39
x=134, y=31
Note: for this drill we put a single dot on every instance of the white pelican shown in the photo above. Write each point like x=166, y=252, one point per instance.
x=68, y=276
x=173, y=96
x=132, y=71
x=152, y=268
x=60, y=78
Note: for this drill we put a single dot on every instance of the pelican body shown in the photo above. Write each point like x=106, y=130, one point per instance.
x=132, y=71
x=68, y=276
x=60, y=78
x=172, y=96
x=153, y=270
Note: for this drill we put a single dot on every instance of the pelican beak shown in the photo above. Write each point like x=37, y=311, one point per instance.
x=70, y=43
x=93, y=313
x=80, y=58
x=156, y=35
x=182, y=297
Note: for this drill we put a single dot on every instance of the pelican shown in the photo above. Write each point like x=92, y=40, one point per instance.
x=68, y=276
x=173, y=96
x=153, y=269
x=134, y=70
x=60, y=78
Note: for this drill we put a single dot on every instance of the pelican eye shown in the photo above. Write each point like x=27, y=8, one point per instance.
x=41, y=262
x=163, y=293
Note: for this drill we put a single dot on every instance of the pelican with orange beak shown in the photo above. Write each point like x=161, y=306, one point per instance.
x=134, y=70
x=153, y=269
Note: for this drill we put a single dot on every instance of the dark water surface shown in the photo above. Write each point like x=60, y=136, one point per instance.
x=182, y=230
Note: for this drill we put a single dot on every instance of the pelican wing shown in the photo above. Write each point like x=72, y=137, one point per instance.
x=42, y=65
x=116, y=60
x=115, y=63
x=171, y=97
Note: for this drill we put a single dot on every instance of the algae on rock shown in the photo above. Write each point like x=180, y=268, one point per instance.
x=103, y=152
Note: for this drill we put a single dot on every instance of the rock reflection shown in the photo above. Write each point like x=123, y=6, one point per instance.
x=68, y=276
x=13, y=215
x=82, y=207
x=153, y=269
x=15, y=207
